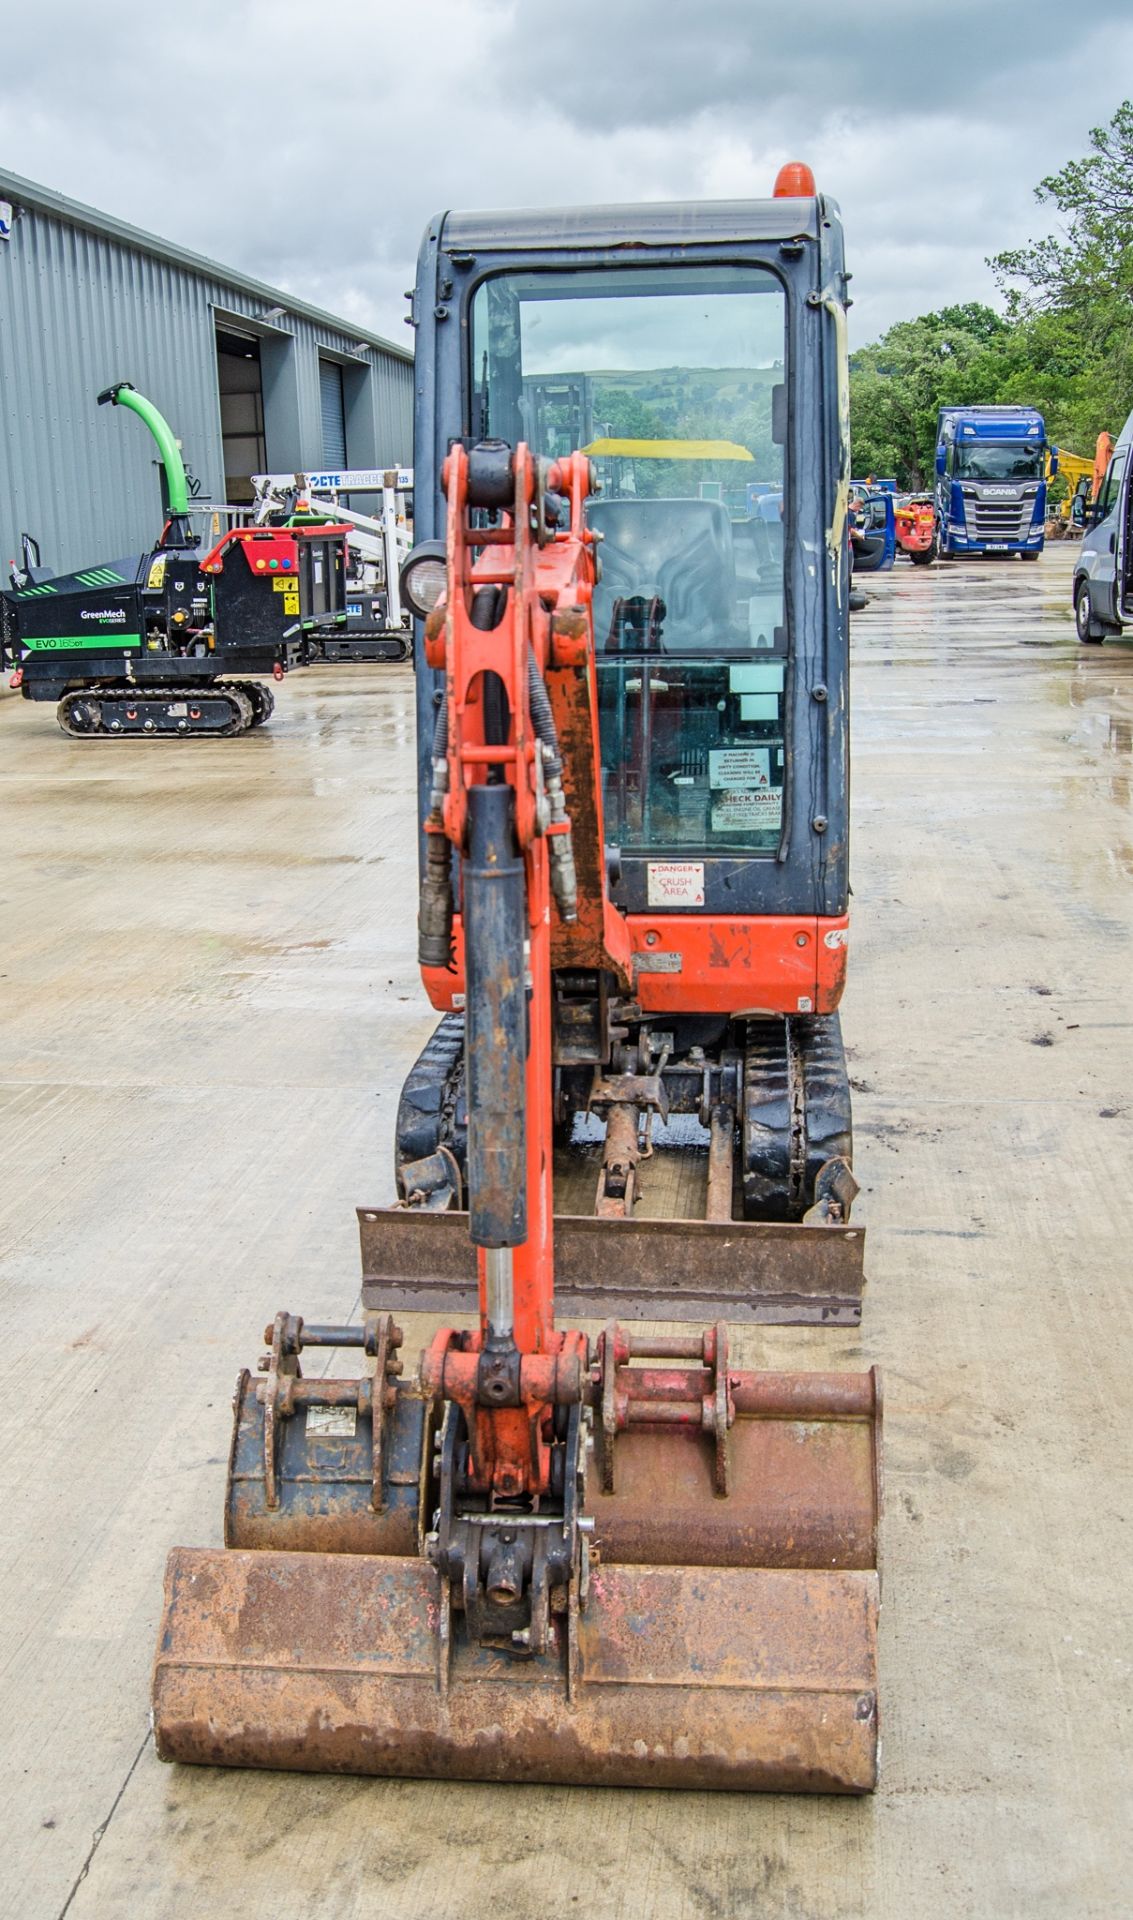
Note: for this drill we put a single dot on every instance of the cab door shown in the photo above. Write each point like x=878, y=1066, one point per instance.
x=1100, y=559
x=1123, y=537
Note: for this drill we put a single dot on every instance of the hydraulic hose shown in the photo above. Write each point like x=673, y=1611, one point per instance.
x=440, y=736
x=435, y=909
x=543, y=718
x=564, y=879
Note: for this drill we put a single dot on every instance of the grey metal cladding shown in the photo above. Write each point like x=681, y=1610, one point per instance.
x=85, y=301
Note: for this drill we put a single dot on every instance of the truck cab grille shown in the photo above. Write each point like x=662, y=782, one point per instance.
x=1002, y=519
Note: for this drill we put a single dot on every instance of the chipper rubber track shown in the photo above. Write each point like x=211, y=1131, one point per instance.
x=544, y=1557
x=215, y=709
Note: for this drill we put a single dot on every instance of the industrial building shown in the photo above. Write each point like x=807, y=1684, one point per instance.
x=251, y=379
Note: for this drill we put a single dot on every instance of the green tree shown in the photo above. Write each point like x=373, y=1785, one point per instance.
x=1071, y=295
x=897, y=385
x=620, y=415
x=1064, y=345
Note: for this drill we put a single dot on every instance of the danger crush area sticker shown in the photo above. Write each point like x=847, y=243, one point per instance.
x=675, y=883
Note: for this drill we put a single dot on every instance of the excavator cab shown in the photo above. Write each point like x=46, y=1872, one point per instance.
x=553, y=1553
x=701, y=370
x=698, y=371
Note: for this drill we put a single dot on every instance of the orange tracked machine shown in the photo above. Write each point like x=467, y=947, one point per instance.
x=555, y=1554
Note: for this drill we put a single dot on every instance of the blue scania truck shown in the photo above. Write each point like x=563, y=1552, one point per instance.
x=991, y=475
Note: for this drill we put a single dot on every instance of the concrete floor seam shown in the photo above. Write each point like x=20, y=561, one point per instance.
x=100, y=1831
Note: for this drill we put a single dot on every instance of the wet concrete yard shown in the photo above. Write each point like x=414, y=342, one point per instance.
x=209, y=1001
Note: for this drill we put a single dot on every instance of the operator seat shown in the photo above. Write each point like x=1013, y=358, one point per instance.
x=678, y=551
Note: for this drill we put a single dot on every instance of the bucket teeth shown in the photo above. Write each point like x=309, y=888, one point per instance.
x=705, y=1677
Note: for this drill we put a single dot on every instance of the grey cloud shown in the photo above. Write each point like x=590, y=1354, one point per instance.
x=310, y=150
x=620, y=63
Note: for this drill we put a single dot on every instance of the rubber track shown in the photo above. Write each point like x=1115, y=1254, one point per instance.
x=256, y=705
x=826, y=1093
x=261, y=697
x=796, y=1111
x=433, y=1109
x=772, y=1142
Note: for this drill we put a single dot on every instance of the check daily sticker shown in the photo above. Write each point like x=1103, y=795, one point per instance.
x=759, y=809
x=739, y=767
x=675, y=883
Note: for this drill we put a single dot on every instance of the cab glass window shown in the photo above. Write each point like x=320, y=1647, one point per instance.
x=999, y=460
x=1107, y=498
x=673, y=381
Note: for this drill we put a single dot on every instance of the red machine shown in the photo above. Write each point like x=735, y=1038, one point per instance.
x=623, y=1562
x=916, y=529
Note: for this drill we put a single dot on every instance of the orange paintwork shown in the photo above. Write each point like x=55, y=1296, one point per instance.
x=758, y=963
x=672, y=962
x=916, y=525
x=510, y=1444
x=538, y=579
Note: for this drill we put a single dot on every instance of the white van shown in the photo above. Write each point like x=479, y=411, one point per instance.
x=1103, y=571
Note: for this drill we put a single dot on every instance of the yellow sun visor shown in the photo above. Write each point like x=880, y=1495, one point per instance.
x=668, y=450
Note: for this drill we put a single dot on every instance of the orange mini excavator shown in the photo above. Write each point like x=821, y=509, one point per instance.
x=554, y=1554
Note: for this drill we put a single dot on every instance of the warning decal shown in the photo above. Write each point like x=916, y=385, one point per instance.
x=740, y=767
x=332, y=1423
x=759, y=809
x=676, y=883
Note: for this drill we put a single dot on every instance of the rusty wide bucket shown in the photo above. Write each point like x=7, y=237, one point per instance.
x=686, y=1677
x=720, y=1641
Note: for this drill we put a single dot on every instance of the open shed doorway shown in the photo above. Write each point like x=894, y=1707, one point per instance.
x=240, y=379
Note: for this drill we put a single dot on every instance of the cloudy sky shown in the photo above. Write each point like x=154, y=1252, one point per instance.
x=308, y=144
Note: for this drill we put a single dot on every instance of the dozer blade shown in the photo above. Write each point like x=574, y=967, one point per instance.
x=417, y=1261
x=706, y=1677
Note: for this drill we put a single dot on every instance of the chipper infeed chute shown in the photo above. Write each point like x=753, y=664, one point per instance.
x=544, y=1557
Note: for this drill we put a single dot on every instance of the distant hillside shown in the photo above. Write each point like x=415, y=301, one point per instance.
x=661, y=384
